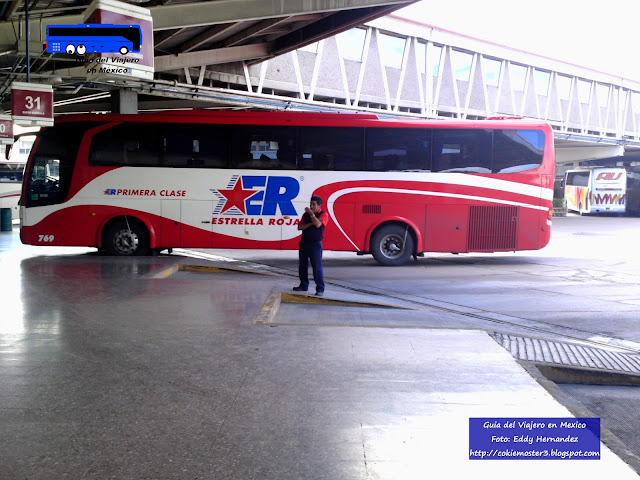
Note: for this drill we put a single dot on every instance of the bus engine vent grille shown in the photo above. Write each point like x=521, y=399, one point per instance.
x=371, y=208
x=492, y=228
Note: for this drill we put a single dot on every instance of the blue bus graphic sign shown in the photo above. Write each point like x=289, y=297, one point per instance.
x=94, y=38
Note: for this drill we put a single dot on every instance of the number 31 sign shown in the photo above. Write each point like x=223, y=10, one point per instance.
x=32, y=104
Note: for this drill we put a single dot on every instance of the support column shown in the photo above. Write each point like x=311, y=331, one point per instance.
x=124, y=101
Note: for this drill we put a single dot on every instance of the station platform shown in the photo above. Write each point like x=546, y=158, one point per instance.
x=185, y=366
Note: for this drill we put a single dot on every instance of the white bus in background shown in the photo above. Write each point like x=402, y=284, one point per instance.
x=11, y=172
x=596, y=190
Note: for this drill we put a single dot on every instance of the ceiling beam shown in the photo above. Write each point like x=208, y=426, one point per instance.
x=252, y=31
x=210, y=57
x=205, y=37
x=226, y=11
x=167, y=17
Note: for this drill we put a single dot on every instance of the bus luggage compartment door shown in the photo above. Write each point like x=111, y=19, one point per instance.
x=195, y=227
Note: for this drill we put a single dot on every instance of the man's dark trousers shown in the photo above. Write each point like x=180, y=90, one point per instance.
x=311, y=251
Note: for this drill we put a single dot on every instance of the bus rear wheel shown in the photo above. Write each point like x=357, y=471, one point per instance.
x=392, y=245
x=127, y=238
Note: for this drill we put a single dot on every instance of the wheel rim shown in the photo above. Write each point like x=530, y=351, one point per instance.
x=392, y=245
x=126, y=242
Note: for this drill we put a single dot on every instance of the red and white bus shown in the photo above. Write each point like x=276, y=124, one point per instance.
x=131, y=184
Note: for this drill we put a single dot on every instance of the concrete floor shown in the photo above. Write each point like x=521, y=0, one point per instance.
x=111, y=369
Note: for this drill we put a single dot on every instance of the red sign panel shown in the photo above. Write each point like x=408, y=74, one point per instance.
x=32, y=104
x=6, y=130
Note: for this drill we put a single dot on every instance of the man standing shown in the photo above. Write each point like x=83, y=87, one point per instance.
x=312, y=225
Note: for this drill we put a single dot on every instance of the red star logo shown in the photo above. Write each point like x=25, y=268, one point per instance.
x=236, y=197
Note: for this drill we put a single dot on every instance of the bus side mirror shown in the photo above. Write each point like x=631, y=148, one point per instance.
x=7, y=151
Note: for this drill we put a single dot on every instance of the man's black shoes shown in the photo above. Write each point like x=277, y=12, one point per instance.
x=299, y=288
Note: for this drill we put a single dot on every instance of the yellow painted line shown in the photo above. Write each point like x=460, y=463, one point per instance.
x=269, y=310
x=166, y=272
x=311, y=299
x=208, y=269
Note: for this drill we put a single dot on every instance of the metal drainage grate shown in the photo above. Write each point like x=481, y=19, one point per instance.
x=566, y=354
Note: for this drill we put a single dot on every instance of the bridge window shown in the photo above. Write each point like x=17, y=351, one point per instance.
x=491, y=71
x=312, y=47
x=541, y=81
x=461, y=62
x=391, y=49
x=584, y=91
x=421, y=56
x=434, y=58
x=635, y=102
x=351, y=43
x=518, y=76
x=563, y=84
x=602, y=93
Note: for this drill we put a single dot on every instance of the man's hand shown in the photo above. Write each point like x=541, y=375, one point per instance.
x=308, y=210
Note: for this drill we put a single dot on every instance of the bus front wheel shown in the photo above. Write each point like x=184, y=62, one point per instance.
x=392, y=245
x=127, y=238
x=124, y=50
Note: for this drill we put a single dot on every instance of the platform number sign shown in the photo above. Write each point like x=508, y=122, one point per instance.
x=32, y=104
x=6, y=130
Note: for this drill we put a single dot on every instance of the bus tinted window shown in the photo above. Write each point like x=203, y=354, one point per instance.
x=131, y=144
x=578, y=179
x=161, y=145
x=330, y=148
x=517, y=150
x=199, y=145
x=457, y=150
x=263, y=147
x=398, y=149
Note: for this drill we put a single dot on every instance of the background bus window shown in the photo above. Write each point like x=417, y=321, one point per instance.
x=398, y=149
x=517, y=150
x=578, y=179
x=263, y=147
x=330, y=148
x=462, y=150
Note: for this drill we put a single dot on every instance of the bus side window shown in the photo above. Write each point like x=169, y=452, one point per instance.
x=331, y=148
x=263, y=147
x=462, y=150
x=517, y=150
x=398, y=149
x=131, y=144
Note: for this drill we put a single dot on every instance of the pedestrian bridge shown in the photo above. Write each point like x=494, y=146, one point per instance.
x=250, y=53
x=396, y=66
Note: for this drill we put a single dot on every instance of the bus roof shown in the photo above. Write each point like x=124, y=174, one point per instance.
x=298, y=118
